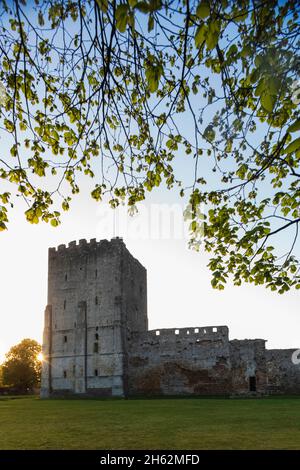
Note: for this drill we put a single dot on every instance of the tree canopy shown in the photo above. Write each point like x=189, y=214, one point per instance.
x=118, y=91
x=22, y=366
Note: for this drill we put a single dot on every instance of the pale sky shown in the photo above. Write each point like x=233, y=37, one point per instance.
x=179, y=291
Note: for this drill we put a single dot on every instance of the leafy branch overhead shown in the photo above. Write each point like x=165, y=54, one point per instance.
x=118, y=91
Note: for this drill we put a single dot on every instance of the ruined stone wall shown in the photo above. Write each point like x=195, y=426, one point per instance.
x=248, y=362
x=184, y=361
x=84, y=291
x=283, y=375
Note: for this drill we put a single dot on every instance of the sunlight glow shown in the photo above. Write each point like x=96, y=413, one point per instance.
x=40, y=357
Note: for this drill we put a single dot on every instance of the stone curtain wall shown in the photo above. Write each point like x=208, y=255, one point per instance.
x=248, y=364
x=283, y=375
x=186, y=361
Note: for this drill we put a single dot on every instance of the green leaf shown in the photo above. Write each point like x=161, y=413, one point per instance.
x=203, y=10
x=228, y=146
x=260, y=89
x=41, y=19
x=65, y=205
x=155, y=5
x=147, y=7
x=246, y=51
x=200, y=35
x=242, y=16
x=153, y=74
x=150, y=23
x=54, y=222
x=9, y=125
x=14, y=150
x=213, y=34
x=97, y=193
x=268, y=102
x=144, y=7
x=295, y=126
x=274, y=85
x=209, y=133
x=293, y=146
x=241, y=172
x=122, y=17
x=103, y=5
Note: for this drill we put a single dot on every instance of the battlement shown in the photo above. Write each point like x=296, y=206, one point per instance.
x=76, y=249
x=83, y=243
x=211, y=333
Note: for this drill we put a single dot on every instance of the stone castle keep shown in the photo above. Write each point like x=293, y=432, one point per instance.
x=97, y=342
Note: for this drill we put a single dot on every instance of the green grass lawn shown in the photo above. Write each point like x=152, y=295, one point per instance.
x=197, y=423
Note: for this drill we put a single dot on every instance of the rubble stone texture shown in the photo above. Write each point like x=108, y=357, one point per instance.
x=97, y=343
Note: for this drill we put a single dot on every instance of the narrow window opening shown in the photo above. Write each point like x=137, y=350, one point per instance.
x=96, y=347
x=96, y=372
x=157, y=333
x=96, y=300
x=97, y=328
x=176, y=332
x=65, y=374
x=215, y=330
x=65, y=304
x=96, y=336
x=96, y=273
x=252, y=384
x=65, y=339
x=66, y=277
x=196, y=330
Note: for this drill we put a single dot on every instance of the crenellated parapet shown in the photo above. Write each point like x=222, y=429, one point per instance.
x=83, y=246
x=186, y=340
x=211, y=333
x=196, y=331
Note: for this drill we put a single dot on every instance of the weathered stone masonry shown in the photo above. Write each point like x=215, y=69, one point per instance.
x=96, y=338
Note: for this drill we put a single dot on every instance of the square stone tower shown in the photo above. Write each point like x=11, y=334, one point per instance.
x=97, y=297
